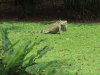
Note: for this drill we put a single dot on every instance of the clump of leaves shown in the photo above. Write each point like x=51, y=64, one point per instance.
x=11, y=63
x=0, y=22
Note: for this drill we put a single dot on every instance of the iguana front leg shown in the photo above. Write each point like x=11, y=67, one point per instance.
x=60, y=30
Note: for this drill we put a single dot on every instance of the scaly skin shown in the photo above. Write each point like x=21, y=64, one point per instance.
x=54, y=28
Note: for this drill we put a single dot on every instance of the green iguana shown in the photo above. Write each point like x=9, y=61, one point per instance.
x=54, y=28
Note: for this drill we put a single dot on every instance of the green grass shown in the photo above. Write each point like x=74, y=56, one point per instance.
x=77, y=50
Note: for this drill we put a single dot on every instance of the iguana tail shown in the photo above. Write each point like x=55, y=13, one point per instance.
x=42, y=31
x=34, y=31
x=37, y=31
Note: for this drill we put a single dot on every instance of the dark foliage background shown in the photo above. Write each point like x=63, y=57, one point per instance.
x=66, y=9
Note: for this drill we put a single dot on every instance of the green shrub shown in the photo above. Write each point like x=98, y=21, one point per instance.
x=0, y=22
x=11, y=61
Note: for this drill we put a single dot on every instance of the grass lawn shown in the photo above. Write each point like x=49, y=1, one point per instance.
x=77, y=50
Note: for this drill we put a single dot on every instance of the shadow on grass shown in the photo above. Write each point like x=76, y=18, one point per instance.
x=84, y=24
x=12, y=22
x=59, y=68
x=13, y=27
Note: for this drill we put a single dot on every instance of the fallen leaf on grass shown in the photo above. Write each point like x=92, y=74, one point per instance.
x=97, y=47
x=98, y=69
x=67, y=39
x=76, y=73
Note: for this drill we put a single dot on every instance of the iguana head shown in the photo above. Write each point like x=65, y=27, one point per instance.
x=63, y=25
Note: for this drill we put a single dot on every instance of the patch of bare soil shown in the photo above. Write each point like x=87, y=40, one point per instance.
x=46, y=12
